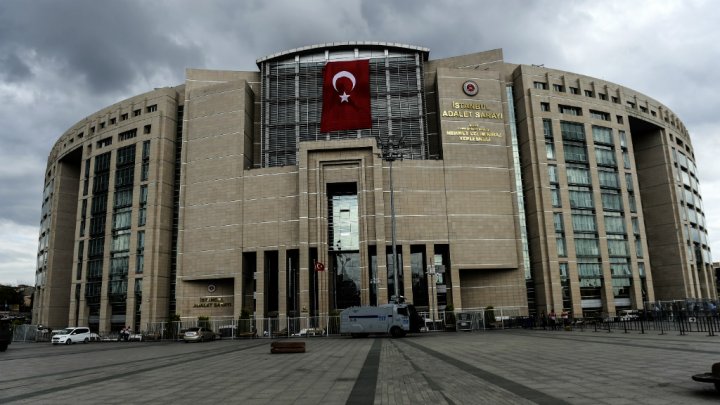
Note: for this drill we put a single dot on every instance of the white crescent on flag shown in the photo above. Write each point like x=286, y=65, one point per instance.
x=341, y=74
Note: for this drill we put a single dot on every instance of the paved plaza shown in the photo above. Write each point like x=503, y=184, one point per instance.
x=491, y=367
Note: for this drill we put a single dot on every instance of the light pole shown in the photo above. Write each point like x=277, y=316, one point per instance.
x=389, y=152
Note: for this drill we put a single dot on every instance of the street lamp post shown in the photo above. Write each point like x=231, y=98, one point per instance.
x=389, y=152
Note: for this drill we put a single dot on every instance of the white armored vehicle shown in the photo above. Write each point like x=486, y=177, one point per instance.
x=394, y=319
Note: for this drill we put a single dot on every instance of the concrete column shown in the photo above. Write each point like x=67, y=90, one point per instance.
x=282, y=285
x=407, y=273
x=304, y=284
x=260, y=285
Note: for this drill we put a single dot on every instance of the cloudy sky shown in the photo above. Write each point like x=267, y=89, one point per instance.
x=63, y=60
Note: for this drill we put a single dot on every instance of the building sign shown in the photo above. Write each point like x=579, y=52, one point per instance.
x=474, y=133
x=473, y=129
x=212, y=302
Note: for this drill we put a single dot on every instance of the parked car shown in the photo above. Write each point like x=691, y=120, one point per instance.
x=72, y=335
x=198, y=334
x=305, y=332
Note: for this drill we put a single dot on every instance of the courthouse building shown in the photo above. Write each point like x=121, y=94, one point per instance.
x=273, y=192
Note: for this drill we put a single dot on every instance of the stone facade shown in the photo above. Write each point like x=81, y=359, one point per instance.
x=502, y=212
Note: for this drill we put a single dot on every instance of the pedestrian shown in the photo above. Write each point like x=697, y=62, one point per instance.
x=543, y=320
x=553, y=319
x=565, y=318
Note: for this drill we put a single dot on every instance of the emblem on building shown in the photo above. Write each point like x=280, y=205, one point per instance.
x=211, y=288
x=470, y=88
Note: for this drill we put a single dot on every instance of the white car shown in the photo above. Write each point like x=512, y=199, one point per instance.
x=72, y=335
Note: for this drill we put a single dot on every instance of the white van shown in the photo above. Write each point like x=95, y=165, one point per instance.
x=71, y=335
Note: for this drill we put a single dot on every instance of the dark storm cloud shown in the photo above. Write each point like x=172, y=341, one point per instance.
x=107, y=43
x=12, y=68
x=61, y=61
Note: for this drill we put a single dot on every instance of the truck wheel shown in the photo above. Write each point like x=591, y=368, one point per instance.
x=396, y=332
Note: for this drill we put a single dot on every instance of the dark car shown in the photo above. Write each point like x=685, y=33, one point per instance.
x=6, y=333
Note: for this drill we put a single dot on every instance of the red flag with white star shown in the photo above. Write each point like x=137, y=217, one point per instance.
x=346, y=96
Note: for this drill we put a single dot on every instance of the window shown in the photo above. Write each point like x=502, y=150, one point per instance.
x=102, y=125
x=151, y=108
x=581, y=197
x=121, y=241
x=552, y=174
x=147, y=129
x=540, y=85
x=611, y=200
x=574, y=90
x=549, y=150
x=620, y=119
x=122, y=218
x=104, y=142
x=643, y=109
x=626, y=159
x=638, y=247
x=555, y=196
x=631, y=202
x=146, y=150
x=584, y=222
x=124, y=176
x=605, y=156
x=113, y=121
x=560, y=243
x=123, y=117
x=635, y=225
x=122, y=136
x=545, y=106
x=140, y=253
x=615, y=100
x=123, y=198
x=547, y=128
x=614, y=223
x=578, y=175
x=570, y=110
x=92, y=130
x=142, y=212
x=145, y=170
x=572, y=131
x=137, y=112
x=608, y=179
x=602, y=135
x=559, y=87
x=629, y=182
x=589, y=93
x=623, y=139
x=558, y=220
x=575, y=153
x=586, y=245
x=630, y=104
x=125, y=156
x=617, y=247
x=600, y=115
x=602, y=96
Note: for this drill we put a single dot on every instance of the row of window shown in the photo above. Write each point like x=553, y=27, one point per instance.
x=122, y=136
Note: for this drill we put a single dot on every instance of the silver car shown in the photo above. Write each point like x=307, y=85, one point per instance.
x=198, y=334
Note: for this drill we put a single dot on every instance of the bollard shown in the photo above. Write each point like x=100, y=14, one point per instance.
x=710, y=327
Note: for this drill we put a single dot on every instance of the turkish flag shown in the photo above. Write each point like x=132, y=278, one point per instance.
x=346, y=96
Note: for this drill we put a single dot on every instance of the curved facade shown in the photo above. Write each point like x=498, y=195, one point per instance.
x=513, y=186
